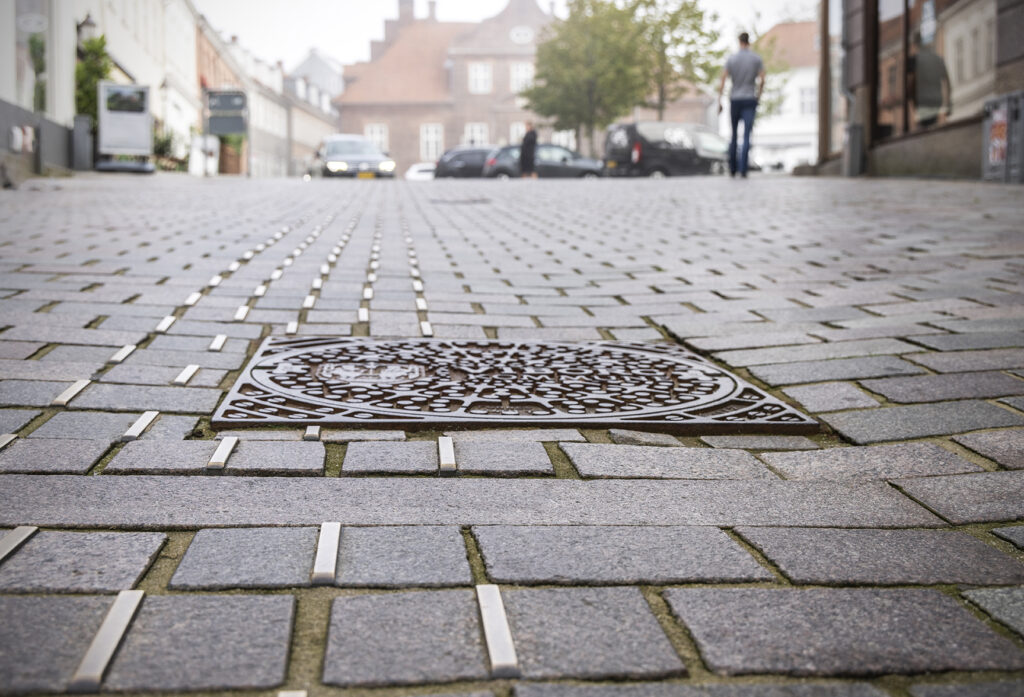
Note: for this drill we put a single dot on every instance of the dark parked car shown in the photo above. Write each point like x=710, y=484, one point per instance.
x=552, y=161
x=662, y=149
x=352, y=156
x=464, y=161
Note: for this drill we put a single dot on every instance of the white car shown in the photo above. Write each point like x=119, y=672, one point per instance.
x=420, y=172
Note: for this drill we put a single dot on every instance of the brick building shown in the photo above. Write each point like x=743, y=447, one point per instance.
x=432, y=85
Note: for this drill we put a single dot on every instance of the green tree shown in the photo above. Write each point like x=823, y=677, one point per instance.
x=93, y=66
x=587, y=72
x=678, y=49
x=37, y=54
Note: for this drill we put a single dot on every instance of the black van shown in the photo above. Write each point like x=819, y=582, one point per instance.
x=664, y=149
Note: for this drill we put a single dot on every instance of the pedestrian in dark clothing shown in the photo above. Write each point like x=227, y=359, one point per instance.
x=746, y=70
x=528, y=153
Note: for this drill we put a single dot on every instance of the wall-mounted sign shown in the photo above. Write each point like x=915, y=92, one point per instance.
x=125, y=124
x=228, y=113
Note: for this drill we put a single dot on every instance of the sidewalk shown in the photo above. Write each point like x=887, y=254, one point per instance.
x=735, y=556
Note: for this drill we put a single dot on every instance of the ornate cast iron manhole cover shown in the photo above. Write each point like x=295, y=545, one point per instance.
x=427, y=382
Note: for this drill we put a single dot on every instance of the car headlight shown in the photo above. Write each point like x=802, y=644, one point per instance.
x=387, y=166
x=337, y=166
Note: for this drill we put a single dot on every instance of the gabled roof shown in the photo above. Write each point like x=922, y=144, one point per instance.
x=795, y=43
x=410, y=71
x=491, y=36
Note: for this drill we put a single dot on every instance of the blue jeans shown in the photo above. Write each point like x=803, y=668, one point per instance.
x=741, y=109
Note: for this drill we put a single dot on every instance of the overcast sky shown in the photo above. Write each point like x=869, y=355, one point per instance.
x=275, y=30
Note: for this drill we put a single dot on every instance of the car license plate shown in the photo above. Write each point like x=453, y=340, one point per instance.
x=366, y=175
x=611, y=164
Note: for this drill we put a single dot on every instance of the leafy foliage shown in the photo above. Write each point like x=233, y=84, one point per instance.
x=678, y=48
x=93, y=66
x=37, y=54
x=588, y=74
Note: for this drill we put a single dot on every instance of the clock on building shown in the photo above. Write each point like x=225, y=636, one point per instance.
x=521, y=34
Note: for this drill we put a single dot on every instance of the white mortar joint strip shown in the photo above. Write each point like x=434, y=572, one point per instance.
x=165, y=324
x=122, y=353
x=312, y=433
x=15, y=538
x=186, y=374
x=364, y=314
x=291, y=328
x=426, y=329
x=500, y=646
x=223, y=452
x=192, y=299
x=218, y=342
x=70, y=393
x=6, y=439
x=140, y=425
x=446, y=455
x=325, y=565
x=89, y=674
x=215, y=281
x=241, y=313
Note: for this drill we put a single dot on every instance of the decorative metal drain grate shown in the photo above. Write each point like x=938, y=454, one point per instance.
x=426, y=382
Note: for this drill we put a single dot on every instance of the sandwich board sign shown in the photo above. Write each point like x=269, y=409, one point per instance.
x=125, y=124
x=228, y=112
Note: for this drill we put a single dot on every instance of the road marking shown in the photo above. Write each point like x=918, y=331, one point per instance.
x=140, y=425
x=15, y=538
x=223, y=452
x=89, y=674
x=70, y=393
x=500, y=647
x=326, y=563
x=122, y=353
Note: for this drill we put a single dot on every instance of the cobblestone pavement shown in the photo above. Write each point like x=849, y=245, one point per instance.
x=883, y=555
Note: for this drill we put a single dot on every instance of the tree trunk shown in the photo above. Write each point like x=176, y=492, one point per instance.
x=593, y=149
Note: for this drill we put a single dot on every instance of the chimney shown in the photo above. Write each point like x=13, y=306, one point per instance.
x=432, y=7
x=405, y=11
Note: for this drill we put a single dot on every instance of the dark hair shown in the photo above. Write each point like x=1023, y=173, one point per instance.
x=744, y=38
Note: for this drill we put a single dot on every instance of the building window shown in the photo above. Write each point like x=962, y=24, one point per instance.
x=990, y=44
x=961, y=72
x=520, y=76
x=431, y=141
x=516, y=131
x=480, y=78
x=475, y=134
x=808, y=100
x=975, y=52
x=377, y=133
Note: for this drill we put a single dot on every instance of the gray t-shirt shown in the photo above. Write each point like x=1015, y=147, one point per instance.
x=743, y=68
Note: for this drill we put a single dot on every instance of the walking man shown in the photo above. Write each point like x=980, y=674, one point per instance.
x=746, y=70
x=528, y=153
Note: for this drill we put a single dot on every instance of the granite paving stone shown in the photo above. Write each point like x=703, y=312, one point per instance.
x=43, y=639
x=831, y=396
x=588, y=633
x=838, y=631
x=761, y=442
x=236, y=330
x=18, y=350
x=974, y=498
x=37, y=370
x=748, y=340
x=600, y=460
x=70, y=335
x=883, y=557
x=676, y=689
x=170, y=427
x=405, y=638
x=217, y=559
x=627, y=437
x=218, y=360
x=920, y=420
x=1015, y=402
x=160, y=375
x=12, y=420
x=193, y=643
x=413, y=457
x=493, y=457
x=79, y=562
x=347, y=435
x=815, y=352
x=77, y=354
x=1006, y=605
x=974, y=341
x=838, y=369
x=159, y=456
x=1000, y=688
x=935, y=388
x=262, y=434
x=403, y=556
x=167, y=342
x=523, y=435
x=610, y=554
x=276, y=457
x=971, y=361
x=191, y=502
x=1005, y=446
x=85, y=426
x=52, y=455
x=1014, y=534
x=30, y=393
x=189, y=400
x=875, y=462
